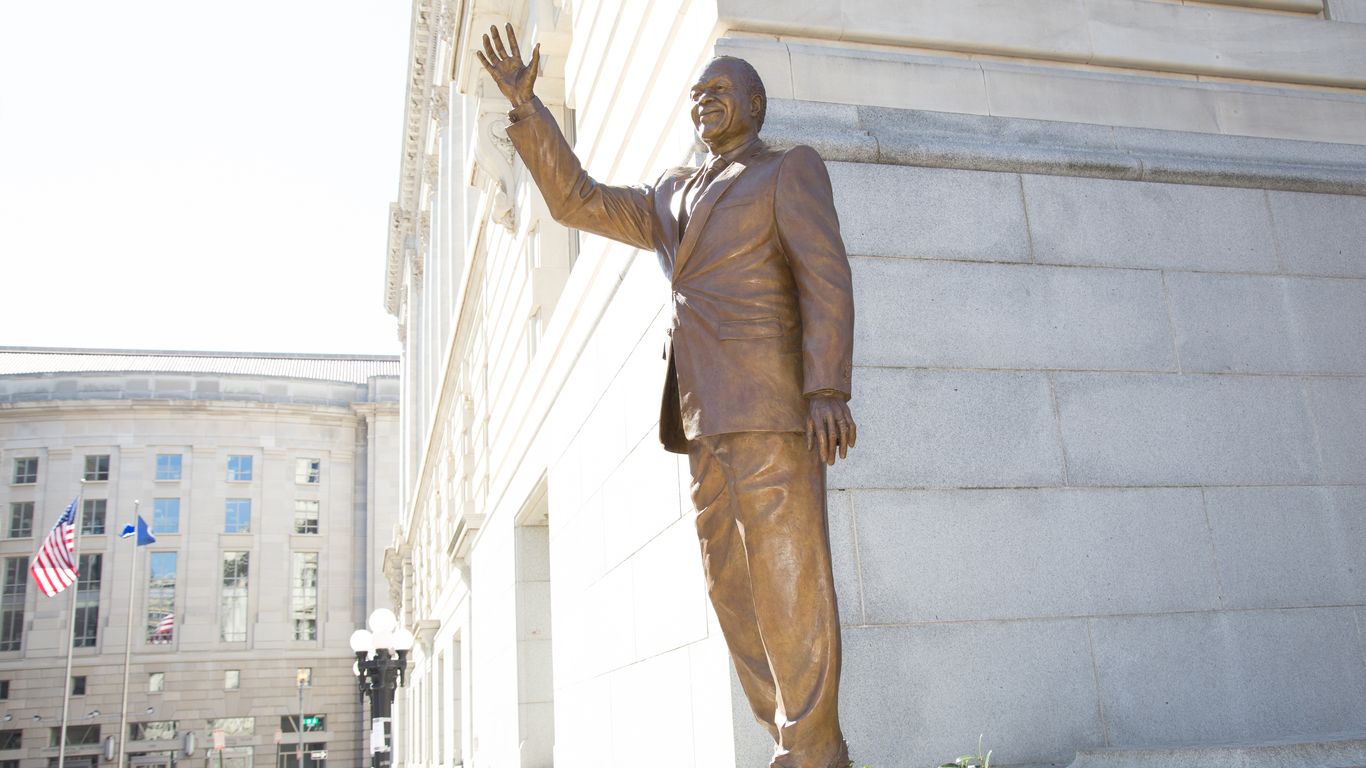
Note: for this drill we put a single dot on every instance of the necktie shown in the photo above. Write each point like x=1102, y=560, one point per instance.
x=698, y=187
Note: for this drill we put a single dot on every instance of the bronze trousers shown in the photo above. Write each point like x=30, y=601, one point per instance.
x=761, y=521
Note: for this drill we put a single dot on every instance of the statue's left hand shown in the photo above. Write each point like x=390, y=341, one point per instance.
x=830, y=425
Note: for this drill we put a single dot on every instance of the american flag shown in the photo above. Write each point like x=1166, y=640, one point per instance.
x=54, y=567
x=165, y=628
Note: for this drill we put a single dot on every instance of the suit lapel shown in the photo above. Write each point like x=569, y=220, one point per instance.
x=698, y=220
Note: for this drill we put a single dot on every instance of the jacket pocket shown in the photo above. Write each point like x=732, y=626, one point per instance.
x=759, y=328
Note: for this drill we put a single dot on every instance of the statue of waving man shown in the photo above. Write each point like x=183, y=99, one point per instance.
x=759, y=366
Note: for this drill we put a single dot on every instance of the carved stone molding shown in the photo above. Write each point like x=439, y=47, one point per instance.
x=440, y=105
x=492, y=169
x=425, y=631
x=424, y=239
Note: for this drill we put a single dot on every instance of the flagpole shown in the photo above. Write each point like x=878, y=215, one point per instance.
x=128, y=638
x=71, y=628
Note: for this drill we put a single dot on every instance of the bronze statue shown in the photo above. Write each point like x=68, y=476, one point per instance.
x=759, y=367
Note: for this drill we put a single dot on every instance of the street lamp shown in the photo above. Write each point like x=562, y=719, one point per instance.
x=381, y=662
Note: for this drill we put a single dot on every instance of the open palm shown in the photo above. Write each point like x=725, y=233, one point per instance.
x=515, y=79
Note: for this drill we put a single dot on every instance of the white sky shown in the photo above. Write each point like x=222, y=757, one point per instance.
x=199, y=175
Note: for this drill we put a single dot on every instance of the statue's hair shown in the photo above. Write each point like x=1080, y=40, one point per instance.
x=752, y=83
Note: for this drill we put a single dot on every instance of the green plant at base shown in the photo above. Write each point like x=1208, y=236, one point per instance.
x=971, y=761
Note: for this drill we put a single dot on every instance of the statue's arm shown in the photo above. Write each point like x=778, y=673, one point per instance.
x=804, y=208
x=573, y=197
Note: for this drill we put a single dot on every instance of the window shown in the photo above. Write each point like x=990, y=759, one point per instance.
x=305, y=516
x=78, y=685
x=312, y=723
x=303, y=607
x=90, y=568
x=233, y=620
x=234, y=726
x=239, y=469
x=308, y=471
x=237, y=516
x=96, y=468
x=232, y=680
x=166, y=515
x=4, y=690
x=20, y=519
x=286, y=756
x=168, y=466
x=25, y=471
x=12, y=603
x=156, y=682
x=92, y=516
x=11, y=739
x=161, y=572
x=76, y=736
x=234, y=757
x=152, y=730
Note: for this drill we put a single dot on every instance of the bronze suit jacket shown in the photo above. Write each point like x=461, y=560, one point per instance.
x=763, y=309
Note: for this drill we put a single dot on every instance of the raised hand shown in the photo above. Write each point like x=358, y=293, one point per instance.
x=513, y=78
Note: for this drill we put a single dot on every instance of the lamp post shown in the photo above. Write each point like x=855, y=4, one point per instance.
x=381, y=663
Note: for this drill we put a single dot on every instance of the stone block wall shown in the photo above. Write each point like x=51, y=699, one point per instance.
x=1108, y=489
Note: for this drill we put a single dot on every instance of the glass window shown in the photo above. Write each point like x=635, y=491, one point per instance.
x=96, y=468
x=304, y=595
x=305, y=516
x=76, y=736
x=156, y=682
x=235, y=757
x=92, y=516
x=4, y=689
x=166, y=515
x=232, y=679
x=152, y=730
x=25, y=471
x=233, y=620
x=287, y=756
x=234, y=726
x=90, y=568
x=239, y=468
x=168, y=466
x=161, y=573
x=20, y=519
x=78, y=685
x=12, y=603
x=237, y=516
x=11, y=739
x=308, y=471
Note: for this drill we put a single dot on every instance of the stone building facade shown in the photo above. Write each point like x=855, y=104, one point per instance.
x=1110, y=490
x=270, y=485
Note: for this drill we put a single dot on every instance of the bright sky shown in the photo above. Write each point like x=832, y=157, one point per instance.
x=191, y=175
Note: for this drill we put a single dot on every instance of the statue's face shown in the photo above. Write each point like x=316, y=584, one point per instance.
x=723, y=111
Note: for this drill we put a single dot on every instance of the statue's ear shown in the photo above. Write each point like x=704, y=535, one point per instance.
x=756, y=106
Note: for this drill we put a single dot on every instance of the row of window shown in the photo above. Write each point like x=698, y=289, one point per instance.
x=165, y=517
x=307, y=471
x=163, y=730
x=160, y=598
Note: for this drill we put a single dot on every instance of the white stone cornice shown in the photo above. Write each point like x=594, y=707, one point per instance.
x=415, y=124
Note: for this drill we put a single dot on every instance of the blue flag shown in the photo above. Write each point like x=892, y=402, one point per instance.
x=145, y=536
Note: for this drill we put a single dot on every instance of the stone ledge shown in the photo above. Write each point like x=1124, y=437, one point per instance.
x=1012, y=145
x=1334, y=751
